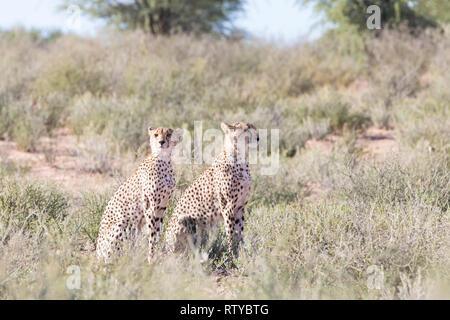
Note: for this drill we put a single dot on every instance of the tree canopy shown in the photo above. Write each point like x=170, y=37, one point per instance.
x=163, y=16
x=416, y=14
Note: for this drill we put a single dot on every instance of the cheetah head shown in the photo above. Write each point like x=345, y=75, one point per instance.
x=238, y=137
x=163, y=140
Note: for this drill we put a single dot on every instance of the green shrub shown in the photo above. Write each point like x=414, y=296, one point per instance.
x=122, y=122
x=24, y=123
x=394, y=217
x=395, y=184
x=67, y=78
x=314, y=116
x=91, y=211
x=280, y=188
x=330, y=106
x=71, y=70
x=30, y=207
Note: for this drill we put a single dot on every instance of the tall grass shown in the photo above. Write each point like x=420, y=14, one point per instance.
x=392, y=216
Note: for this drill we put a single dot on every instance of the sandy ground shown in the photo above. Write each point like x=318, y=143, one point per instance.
x=375, y=143
x=57, y=158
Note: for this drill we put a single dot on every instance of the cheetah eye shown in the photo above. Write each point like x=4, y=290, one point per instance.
x=156, y=135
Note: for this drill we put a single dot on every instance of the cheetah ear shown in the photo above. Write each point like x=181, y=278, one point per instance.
x=250, y=126
x=177, y=135
x=225, y=127
x=150, y=129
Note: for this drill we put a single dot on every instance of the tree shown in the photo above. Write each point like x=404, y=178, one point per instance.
x=163, y=16
x=437, y=10
x=417, y=14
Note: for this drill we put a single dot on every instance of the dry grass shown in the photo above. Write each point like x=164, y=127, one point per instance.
x=345, y=198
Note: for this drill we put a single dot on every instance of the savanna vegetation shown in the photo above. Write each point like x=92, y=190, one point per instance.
x=313, y=230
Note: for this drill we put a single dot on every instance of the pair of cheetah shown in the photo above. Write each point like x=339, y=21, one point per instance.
x=220, y=192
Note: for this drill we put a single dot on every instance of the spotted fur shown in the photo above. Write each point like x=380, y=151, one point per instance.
x=220, y=192
x=142, y=200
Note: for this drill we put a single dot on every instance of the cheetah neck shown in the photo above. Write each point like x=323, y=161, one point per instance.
x=162, y=155
x=233, y=152
x=232, y=157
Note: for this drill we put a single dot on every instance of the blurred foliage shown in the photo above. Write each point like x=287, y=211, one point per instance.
x=34, y=34
x=112, y=88
x=436, y=10
x=163, y=16
x=416, y=14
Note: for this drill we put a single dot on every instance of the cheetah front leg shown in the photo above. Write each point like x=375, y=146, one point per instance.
x=153, y=224
x=233, y=238
x=179, y=233
x=238, y=228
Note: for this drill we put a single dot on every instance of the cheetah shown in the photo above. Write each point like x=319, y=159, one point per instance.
x=142, y=199
x=220, y=192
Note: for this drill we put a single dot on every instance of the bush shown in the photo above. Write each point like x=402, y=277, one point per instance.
x=23, y=123
x=394, y=218
x=281, y=188
x=315, y=115
x=391, y=77
x=123, y=123
x=91, y=211
x=424, y=121
x=72, y=70
x=26, y=122
x=29, y=207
